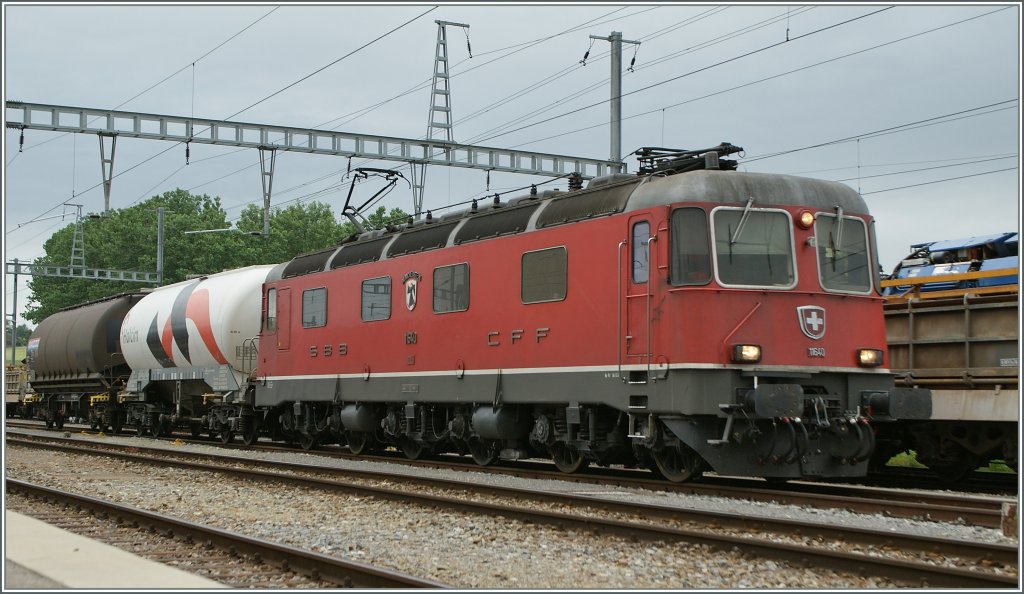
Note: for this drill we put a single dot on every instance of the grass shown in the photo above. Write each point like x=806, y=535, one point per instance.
x=909, y=460
x=905, y=460
x=19, y=354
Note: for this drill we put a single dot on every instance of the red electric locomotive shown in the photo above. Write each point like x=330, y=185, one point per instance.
x=686, y=317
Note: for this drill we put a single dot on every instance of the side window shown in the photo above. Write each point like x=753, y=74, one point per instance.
x=544, y=275
x=271, y=325
x=641, y=233
x=376, y=299
x=691, y=248
x=451, y=288
x=314, y=308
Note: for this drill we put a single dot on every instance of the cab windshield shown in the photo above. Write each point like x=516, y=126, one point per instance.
x=753, y=248
x=843, y=262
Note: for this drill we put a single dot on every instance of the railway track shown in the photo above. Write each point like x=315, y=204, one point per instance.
x=789, y=540
x=936, y=506
x=233, y=559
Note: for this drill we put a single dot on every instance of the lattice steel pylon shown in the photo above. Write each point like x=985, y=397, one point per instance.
x=440, y=91
x=78, y=241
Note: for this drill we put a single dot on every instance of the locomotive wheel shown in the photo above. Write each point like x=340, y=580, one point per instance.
x=678, y=463
x=567, y=458
x=482, y=455
x=358, y=442
x=411, y=449
x=227, y=436
x=307, y=442
x=250, y=436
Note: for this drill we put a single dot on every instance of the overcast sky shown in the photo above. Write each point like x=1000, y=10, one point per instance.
x=941, y=81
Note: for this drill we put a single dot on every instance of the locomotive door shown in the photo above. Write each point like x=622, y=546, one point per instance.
x=636, y=275
x=284, y=319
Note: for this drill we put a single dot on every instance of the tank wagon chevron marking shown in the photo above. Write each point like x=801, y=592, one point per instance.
x=198, y=310
x=160, y=350
x=177, y=320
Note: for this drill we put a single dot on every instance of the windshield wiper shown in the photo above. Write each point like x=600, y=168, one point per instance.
x=743, y=221
x=838, y=241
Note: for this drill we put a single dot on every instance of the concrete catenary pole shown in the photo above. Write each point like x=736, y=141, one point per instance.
x=160, y=246
x=616, y=94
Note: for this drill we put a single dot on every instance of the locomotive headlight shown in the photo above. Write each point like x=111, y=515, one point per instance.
x=869, y=357
x=746, y=353
x=805, y=219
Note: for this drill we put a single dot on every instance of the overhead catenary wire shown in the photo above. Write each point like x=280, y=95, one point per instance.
x=454, y=73
x=761, y=80
x=881, y=131
x=938, y=181
x=325, y=67
x=675, y=78
x=153, y=86
x=261, y=100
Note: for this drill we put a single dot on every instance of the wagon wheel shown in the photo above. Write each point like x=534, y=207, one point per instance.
x=958, y=468
x=252, y=432
x=412, y=449
x=678, y=463
x=482, y=455
x=115, y=424
x=307, y=442
x=162, y=428
x=195, y=429
x=60, y=422
x=358, y=442
x=227, y=436
x=140, y=429
x=567, y=458
x=49, y=423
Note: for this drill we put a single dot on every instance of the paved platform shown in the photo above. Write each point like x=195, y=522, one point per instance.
x=41, y=556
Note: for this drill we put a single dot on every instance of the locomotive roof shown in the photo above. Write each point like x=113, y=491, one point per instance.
x=767, y=189
x=604, y=196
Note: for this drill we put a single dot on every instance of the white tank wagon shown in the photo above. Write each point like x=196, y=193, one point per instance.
x=191, y=346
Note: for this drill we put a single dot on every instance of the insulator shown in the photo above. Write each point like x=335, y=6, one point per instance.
x=497, y=200
x=533, y=190
x=474, y=207
x=21, y=140
x=430, y=216
x=186, y=153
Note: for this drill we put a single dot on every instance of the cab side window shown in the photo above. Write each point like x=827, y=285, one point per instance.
x=640, y=249
x=691, y=247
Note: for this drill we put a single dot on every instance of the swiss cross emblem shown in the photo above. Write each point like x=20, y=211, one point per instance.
x=411, y=280
x=812, y=321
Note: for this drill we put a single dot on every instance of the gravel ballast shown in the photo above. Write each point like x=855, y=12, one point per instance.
x=464, y=550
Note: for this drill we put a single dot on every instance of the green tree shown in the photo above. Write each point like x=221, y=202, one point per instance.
x=296, y=229
x=126, y=239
